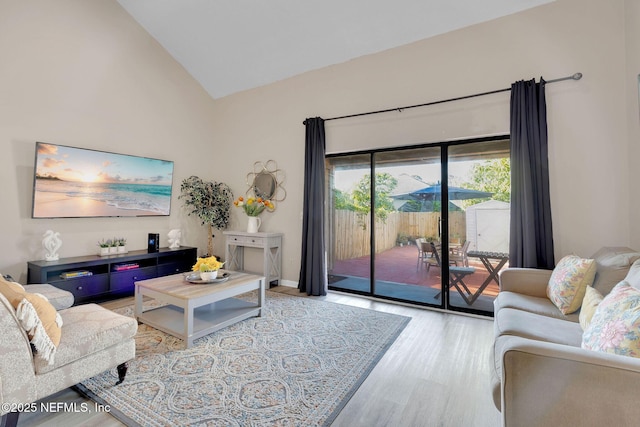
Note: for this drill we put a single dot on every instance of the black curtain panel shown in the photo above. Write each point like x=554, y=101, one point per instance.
x=313, y=272
x=531, y=240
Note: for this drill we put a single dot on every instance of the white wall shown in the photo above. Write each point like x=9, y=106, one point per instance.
x=589, y=167
x=632, y=27
x=86, y=74
x=83, y=73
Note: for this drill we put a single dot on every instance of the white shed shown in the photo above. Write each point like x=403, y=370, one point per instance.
x=488, y=226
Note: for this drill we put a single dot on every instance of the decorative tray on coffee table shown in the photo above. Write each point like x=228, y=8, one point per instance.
x=195, y=279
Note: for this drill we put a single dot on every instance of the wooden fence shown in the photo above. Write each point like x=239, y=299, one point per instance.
x=351, y=231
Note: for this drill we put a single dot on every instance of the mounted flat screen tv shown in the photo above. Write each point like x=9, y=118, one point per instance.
x=72, y=182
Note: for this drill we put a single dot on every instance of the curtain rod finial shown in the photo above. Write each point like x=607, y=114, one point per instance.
x=577, y=76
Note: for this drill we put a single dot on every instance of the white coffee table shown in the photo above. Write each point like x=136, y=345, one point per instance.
x=196, y=310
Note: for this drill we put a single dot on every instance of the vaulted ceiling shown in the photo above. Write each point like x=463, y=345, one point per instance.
x=234, y=45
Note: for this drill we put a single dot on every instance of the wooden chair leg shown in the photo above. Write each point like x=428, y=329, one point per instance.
x=122, y=372
x=9, y=419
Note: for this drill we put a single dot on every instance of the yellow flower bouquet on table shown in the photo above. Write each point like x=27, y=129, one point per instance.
x=208, y=267
x=254, y=206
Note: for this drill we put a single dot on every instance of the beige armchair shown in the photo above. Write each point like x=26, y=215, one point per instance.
x=93, y=340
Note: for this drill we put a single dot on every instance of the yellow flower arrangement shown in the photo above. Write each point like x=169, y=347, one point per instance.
x=254, y=206
x=207, y=264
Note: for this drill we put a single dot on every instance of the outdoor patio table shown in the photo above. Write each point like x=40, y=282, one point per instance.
x=457, y=279
x=486, y=258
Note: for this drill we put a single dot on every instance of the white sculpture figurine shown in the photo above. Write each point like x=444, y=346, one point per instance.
x=51, y=243
x=174, y=238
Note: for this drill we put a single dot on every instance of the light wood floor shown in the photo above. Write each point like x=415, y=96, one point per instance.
x=435, y=374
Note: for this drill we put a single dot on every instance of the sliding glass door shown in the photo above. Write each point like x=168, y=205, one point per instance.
x=479, y=189
x=349, y=238
x=407, y=225
x=390, y=237
x=381, y=230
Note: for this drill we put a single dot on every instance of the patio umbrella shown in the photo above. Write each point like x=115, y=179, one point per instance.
x=416, y=205
x=434, y=192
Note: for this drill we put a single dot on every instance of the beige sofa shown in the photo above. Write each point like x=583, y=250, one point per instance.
x=541, y=375
x=93, y=340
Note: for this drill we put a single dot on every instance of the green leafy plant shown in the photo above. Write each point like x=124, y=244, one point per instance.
x=402, y=239
x=210, y=201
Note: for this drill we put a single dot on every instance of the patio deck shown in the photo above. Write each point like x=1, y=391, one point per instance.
x=399, y=276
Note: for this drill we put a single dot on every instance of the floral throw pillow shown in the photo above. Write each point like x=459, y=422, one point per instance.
x=569, y=281
x=615, y=326
x=592, y=298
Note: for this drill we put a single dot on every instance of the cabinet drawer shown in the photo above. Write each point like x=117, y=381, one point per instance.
x=174, y=268
x=84, y=287
x=257, y=242
x=123, y=281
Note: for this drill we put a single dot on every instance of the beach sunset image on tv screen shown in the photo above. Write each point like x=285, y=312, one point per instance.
x=75, y=182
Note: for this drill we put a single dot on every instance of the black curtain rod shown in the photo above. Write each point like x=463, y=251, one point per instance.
x=576, y=76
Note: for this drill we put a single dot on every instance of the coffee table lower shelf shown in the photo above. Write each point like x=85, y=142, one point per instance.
x=206, y=319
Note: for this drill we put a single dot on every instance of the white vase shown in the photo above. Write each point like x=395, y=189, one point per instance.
x=253, y=224
x=104, y=251
x=122, y=249
x=113, y=250
x=208, y=275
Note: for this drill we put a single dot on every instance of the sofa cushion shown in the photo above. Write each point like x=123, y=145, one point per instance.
x=538, y=305
x=568, y=282
x=87, y=329
x=59, y=298
x=509, y=321
x=37, y=317
x=612, y=265
x=592, y=299
x=633, y=275
x=615, y=326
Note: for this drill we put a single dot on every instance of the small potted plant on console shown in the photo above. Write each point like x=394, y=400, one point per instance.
x=104, y=247
x=122, y=245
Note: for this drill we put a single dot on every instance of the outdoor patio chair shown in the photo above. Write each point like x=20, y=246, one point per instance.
x=459, y=255
x=435, y=259
x=424, y=250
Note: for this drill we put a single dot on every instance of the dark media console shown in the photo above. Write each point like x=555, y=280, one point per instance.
x=96, y=278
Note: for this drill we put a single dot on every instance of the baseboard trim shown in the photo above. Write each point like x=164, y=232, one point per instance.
x=288, y=283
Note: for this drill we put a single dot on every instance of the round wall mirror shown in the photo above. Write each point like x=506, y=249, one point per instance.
x=266, y=181
x=264, y=185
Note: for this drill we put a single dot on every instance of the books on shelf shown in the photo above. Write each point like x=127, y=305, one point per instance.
x=74, y=274
x=127, y=266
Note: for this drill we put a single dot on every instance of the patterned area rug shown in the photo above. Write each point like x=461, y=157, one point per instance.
x=298, y=365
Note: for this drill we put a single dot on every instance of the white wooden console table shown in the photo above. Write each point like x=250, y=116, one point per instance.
x=271, y=245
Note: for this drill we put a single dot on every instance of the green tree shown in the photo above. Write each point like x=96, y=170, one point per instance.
x=385, y=184
x=342, y=200
x=493, y=176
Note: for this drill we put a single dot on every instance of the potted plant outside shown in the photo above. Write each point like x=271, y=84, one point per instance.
x=402, y=239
